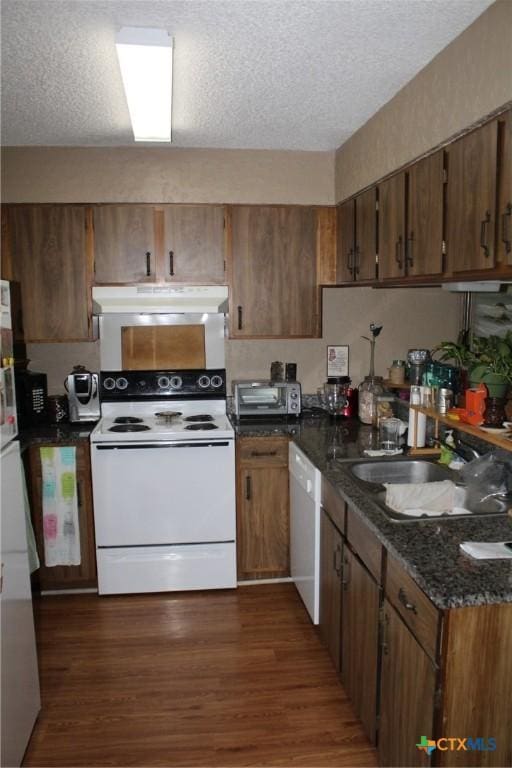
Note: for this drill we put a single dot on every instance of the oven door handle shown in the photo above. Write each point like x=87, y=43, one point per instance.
x=132, y=447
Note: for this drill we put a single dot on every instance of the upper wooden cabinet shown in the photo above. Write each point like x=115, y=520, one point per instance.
x=194, y=243
x=145, y=243
x=273, y=264
x=424, y=244
x=504, y=239
x=50, y=253
x=471, y=200
x=392, y=227
x=124, y=244
x=357, y=238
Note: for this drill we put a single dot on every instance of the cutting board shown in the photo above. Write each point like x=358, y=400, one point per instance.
x=162, y=347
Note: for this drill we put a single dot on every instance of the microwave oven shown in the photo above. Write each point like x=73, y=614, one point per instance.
x=266, y=398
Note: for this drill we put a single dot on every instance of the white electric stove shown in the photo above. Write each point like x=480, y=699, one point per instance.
x=163, y=471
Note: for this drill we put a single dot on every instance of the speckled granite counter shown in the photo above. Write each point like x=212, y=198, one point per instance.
x=63, y=433
x=428, y=550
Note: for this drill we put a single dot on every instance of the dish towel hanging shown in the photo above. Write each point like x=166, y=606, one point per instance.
x=60, y=507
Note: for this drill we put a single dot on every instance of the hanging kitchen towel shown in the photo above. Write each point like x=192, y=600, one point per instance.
x=60, y=507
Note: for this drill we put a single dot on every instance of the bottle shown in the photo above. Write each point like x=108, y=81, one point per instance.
x=397, y=372
x=417, y=421
x=369, y=390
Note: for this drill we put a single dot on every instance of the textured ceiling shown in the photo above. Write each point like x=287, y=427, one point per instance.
x=281, y=74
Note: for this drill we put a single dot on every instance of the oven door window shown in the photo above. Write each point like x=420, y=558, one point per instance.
x=264, y=398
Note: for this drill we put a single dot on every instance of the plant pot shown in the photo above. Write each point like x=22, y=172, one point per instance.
x=496, y=385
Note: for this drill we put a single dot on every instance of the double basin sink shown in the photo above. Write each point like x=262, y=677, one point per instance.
x=371, y=476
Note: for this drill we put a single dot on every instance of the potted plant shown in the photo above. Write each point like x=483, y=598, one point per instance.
x=488, y=361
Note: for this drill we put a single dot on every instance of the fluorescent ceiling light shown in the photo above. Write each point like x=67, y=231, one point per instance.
x=145, y=58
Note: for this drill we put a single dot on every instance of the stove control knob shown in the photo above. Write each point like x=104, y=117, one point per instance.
x=217, y=381
x=121, y=383
x=163, y=382
x=176, y=382
x=109, y=383
x=203, y=382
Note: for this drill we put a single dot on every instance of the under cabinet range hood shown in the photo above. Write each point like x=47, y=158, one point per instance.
x=158, y=298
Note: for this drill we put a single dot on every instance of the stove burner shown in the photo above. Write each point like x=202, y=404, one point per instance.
x=129, y=427
x=127, y=420
x=199, y=417
x=202, y=425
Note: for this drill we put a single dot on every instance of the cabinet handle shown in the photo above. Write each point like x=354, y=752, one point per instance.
x=148, y=263
x=506, y=235
x=384, y=638
x=405, y=602
x=409, y=258
x=398, y=252
x=346, y=573
x=78, y=494
x=357, y=260
x=248, y=488
x=350, y=260
x=484, y=244
x=263, y=453
x=171, y=263
x=338, y=567
x=1, y=578
x=239, y=318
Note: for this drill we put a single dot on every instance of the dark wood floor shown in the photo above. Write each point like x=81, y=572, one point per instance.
x=230, y=678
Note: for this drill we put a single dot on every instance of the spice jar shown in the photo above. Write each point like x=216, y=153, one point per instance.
x=397, y=372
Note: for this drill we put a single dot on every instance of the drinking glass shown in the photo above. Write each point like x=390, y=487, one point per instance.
x=389, y=434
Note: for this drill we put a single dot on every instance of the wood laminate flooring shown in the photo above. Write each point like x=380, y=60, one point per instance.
x=223, y=678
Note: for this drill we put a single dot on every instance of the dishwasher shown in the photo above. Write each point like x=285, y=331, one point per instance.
x=305, y=529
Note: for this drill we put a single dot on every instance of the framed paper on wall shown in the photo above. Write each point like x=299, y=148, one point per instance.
x=337, y=361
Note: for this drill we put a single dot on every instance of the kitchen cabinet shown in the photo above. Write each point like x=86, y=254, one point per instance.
x=471, y=200
x=149, y=243
x=408, y=685
x=194, y=244
x=273, y=272
x=263, y=514
x=504, y=219
x=73, y=576
x=51, y=258
x=357, y=238
x=424, y=246
x=392, y=234
x=331, y=562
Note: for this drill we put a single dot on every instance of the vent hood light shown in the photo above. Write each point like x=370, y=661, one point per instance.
x=145, y=58
x=159, y=299
x=485, y=286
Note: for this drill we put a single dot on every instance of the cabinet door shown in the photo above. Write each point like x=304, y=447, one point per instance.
x=392, y=227
x=331, y=553
x=504, y=242
x=194, y=243
x=424, y=247
x=64, y=576
x=263, y=522
x=50, y=260
x=124, y=244
x=471, y=200
x=408, y=683
x=360, y=640
x=345, y=258
x=274, y=291
x=366, y=235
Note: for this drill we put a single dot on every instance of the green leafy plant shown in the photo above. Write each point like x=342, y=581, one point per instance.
x=487, y=354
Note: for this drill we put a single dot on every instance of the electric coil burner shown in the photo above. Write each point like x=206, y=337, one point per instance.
x=163, y=484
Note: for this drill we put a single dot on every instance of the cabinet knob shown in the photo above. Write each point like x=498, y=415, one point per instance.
x=409, y=258
x=398, y=252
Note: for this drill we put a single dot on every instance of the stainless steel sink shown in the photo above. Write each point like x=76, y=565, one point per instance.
x=372, y=475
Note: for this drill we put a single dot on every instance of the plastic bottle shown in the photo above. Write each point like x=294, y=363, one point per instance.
x=416, y=419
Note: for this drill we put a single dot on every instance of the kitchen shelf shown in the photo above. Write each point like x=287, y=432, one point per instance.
x=498, y=440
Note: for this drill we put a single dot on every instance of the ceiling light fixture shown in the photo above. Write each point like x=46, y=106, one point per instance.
x=145, y=58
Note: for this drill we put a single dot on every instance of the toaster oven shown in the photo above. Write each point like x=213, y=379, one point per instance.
x=266, y=398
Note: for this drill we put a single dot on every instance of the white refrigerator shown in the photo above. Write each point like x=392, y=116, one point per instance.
x=20, y=699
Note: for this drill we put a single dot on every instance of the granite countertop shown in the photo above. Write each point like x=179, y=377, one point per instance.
x=62, y=434
x=428, y=550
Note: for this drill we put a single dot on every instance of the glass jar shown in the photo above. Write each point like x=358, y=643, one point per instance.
x=369, y=390
x=397, y=372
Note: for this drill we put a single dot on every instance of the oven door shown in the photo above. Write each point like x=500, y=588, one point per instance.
x=266, y=399
x=179, y=492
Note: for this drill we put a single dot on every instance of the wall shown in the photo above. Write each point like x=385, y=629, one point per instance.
x=418, y=317
x=469, y=79
x=158, y=175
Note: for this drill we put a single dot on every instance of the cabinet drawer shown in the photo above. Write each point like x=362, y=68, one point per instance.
x=418, y=612
x=365, y=543
x=263, y=451
x=334, y=505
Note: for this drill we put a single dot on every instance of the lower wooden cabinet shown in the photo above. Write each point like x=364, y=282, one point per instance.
x=408, y=685
x=263, y=511
x=331, y=560
x=71, y=576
